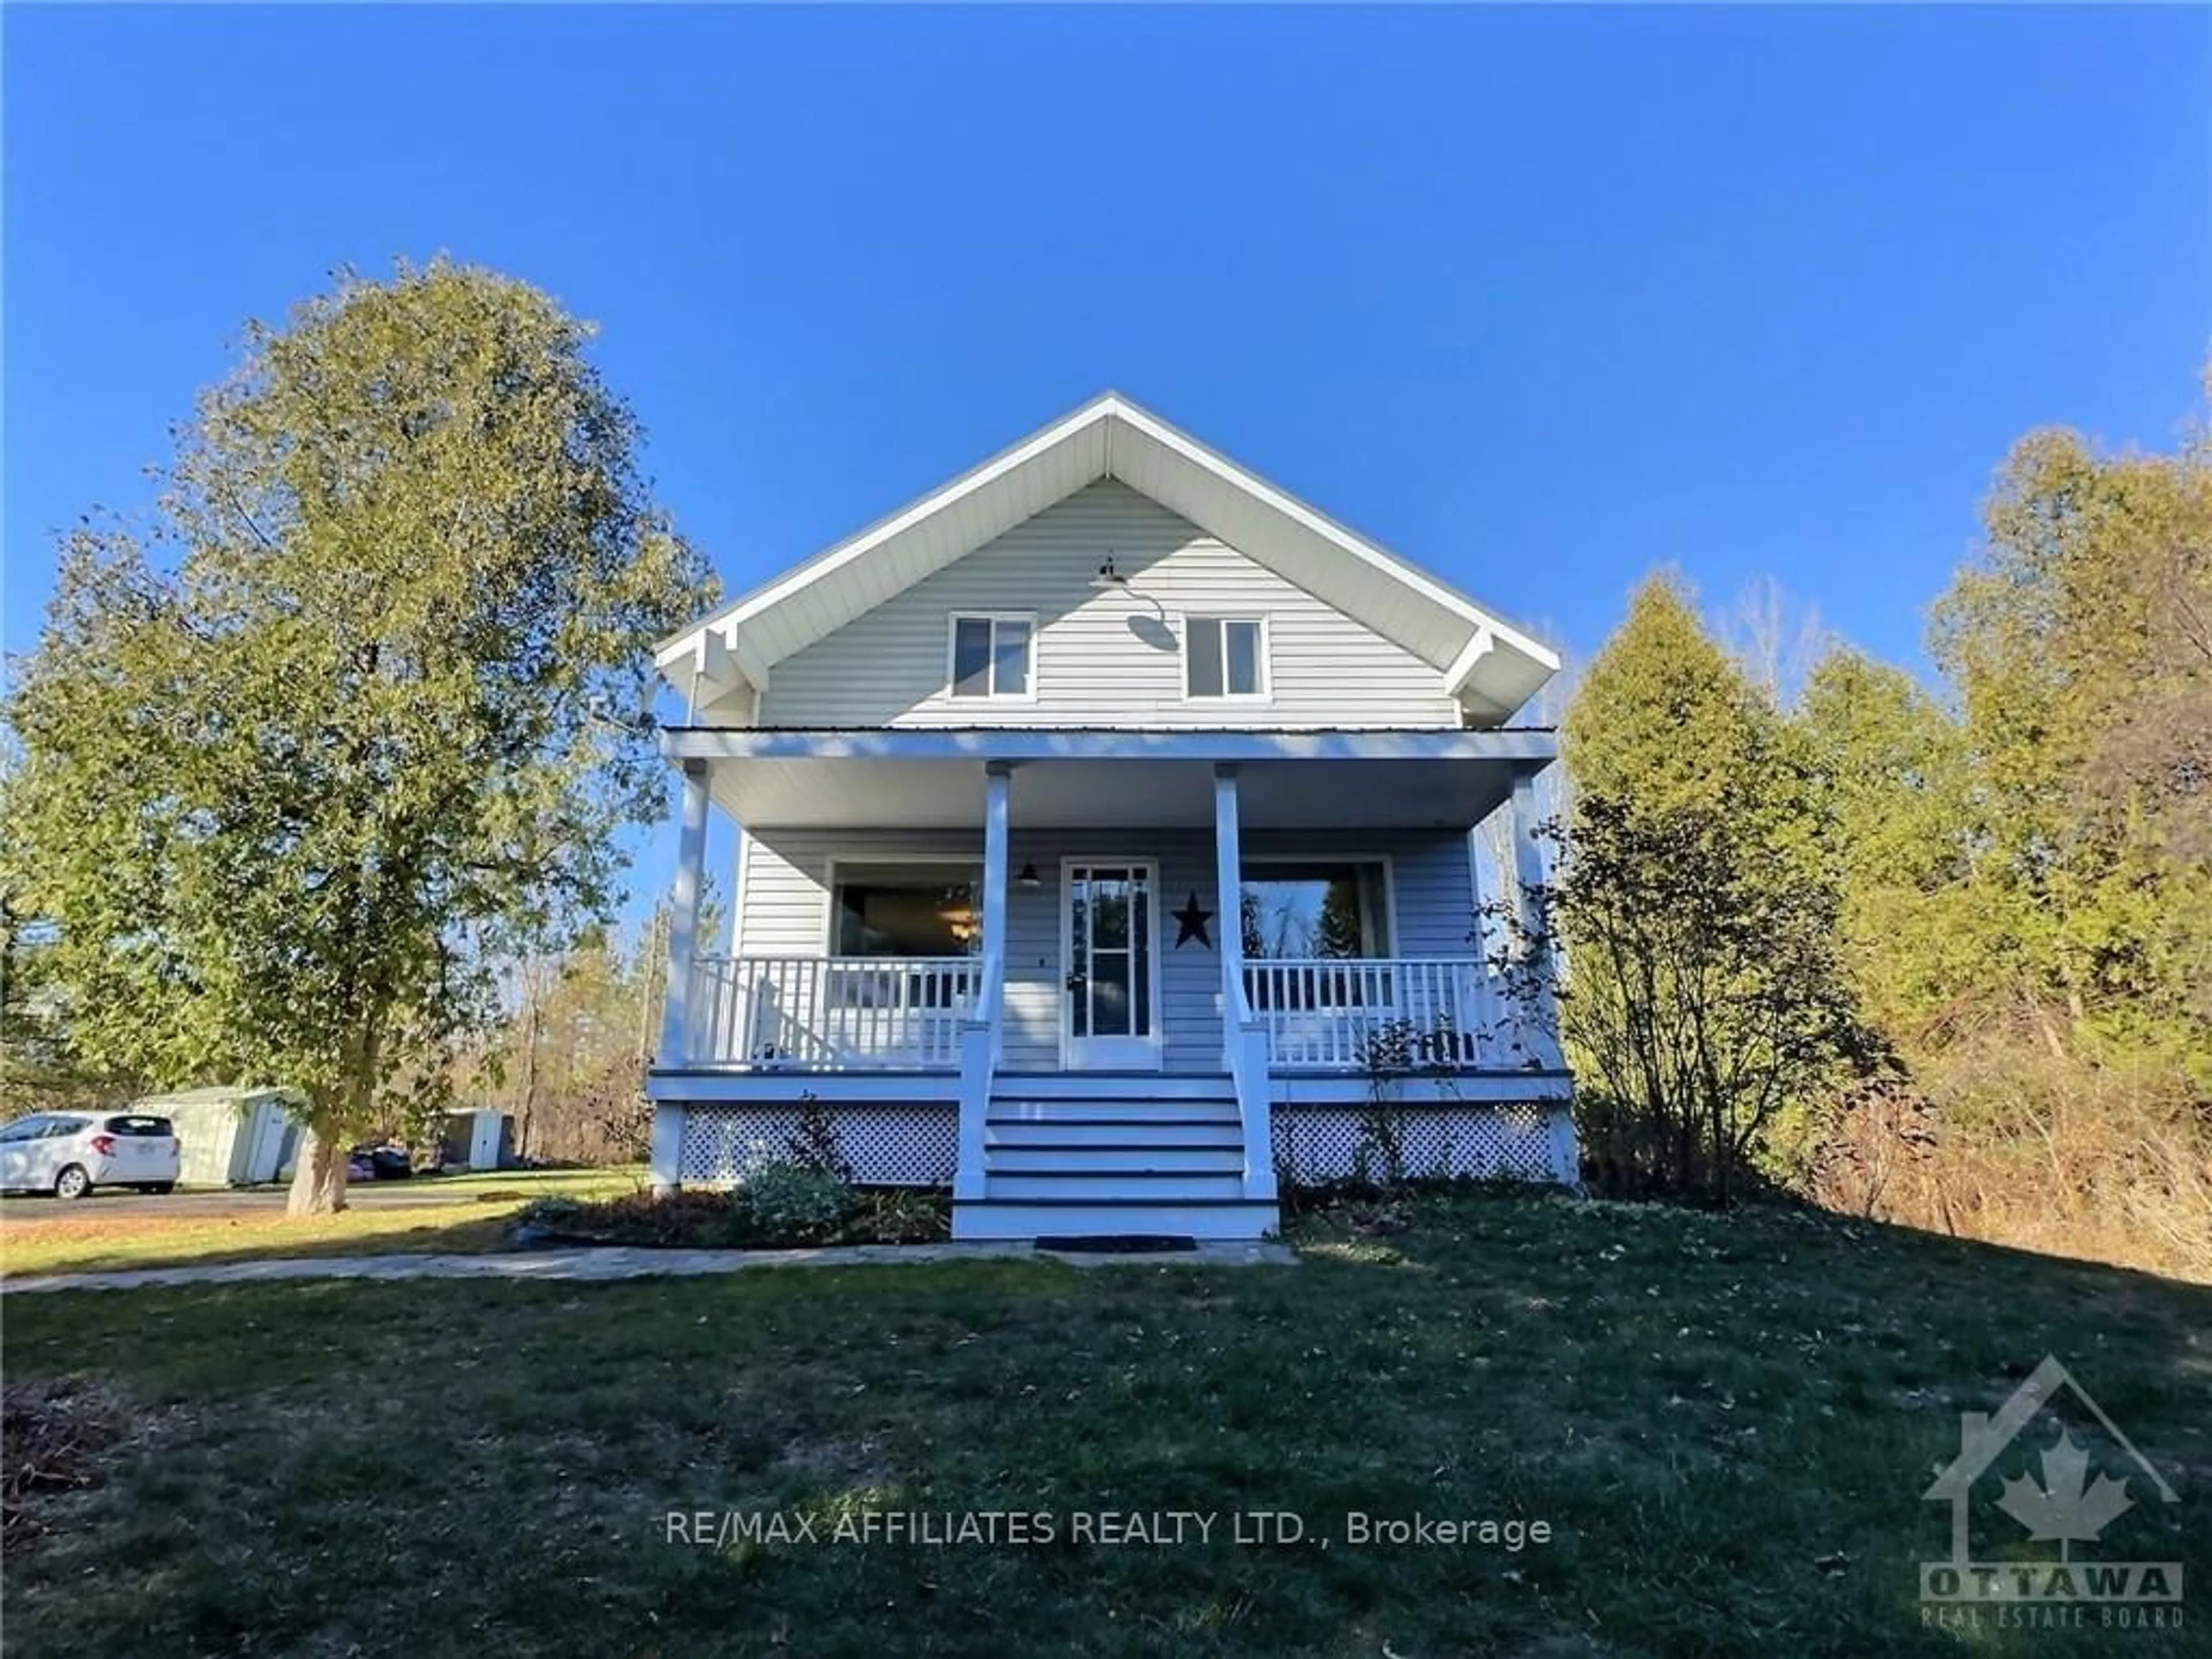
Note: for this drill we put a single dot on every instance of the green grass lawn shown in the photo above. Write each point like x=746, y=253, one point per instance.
x=45, y=1235
x=1726, y=1423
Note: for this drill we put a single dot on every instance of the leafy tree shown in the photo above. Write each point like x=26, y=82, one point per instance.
x=568, y=1064
x=1892, y=764
x=39, y=1070
x=1337, y=931
x=2081, y=644
x=2027, y=895
x=357, y=721
x=1251, y=924
x=573, y=1055
x=1704, y=1001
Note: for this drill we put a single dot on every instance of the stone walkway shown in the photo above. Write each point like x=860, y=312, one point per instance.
x=612, y=1262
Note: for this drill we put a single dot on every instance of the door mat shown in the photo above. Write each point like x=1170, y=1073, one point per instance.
x=1117, y=1244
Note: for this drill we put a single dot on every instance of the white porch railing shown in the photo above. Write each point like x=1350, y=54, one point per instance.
x=830, y=1013
x=1361, y=1013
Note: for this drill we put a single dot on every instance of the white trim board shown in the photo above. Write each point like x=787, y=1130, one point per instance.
x=1292, y=1090
x=737, y=1083
x=1529, y=745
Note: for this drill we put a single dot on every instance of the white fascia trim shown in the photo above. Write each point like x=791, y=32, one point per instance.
x=739, y=1083
x=696, y=646
x=1480, y=645
x=714, y=654
x=1471, y=1088
x=1014, y=744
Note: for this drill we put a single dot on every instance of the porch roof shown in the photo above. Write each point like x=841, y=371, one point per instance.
x=1072, y=779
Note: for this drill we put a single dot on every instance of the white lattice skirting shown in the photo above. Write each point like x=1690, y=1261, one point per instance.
x=917, y=1144
x=1527, y=1142
x=887, y=1146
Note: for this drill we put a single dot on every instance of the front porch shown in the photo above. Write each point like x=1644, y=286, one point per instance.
x=1062, y=957
x=787, y=1016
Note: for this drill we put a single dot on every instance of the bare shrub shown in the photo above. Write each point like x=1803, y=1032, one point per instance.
x=56, y=1438
x=2001, y=1140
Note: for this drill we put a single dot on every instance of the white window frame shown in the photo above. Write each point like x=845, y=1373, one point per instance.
x=991, y=693
x=1267, y=691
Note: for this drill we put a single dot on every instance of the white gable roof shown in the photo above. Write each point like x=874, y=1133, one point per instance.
x=1485, y=661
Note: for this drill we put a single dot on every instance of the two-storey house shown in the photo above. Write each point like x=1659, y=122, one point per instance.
x=1104, y=846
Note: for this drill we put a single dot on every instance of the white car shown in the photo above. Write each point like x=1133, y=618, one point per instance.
x=69, y=1153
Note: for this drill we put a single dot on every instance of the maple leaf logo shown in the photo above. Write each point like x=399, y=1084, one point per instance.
x=2068, y=1506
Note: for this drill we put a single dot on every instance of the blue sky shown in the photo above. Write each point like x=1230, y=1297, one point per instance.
x=1538, y=298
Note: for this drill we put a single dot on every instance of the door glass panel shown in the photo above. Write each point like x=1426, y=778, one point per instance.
x=1109, y=915
x=1078, y=955
x=1140, y=983
x=1110, y=993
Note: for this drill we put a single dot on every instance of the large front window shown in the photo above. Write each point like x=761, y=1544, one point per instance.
x=887, y=916
x=1304, y=908
x=908, y=910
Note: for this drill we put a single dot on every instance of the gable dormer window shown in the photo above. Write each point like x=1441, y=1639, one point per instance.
x=994, y=656
x=1225, y=657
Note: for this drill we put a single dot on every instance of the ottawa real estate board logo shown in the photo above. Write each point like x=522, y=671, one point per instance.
x=2048, y=1461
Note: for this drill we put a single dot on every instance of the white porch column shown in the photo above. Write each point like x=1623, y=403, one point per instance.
x=997, y=775
x=683, y=917
x=1243, y=1040
x=676, y=1005
x=980, y=1033
x=1229, y=886
x=1532, y=948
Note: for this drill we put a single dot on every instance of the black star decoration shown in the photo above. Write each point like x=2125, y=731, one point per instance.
x=1190, y=923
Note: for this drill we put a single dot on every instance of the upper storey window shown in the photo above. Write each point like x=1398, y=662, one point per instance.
x=994, y=655
x=1225, y=657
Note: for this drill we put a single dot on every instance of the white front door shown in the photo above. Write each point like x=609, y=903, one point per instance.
x=1109, y=956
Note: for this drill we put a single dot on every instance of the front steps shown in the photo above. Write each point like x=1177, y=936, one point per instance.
x=1104, y=1153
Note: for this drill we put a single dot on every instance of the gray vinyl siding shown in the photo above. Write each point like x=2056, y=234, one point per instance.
x=784, y=910
x=1106, y=658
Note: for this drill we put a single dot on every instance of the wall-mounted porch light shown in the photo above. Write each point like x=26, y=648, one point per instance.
x=1029, y=877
